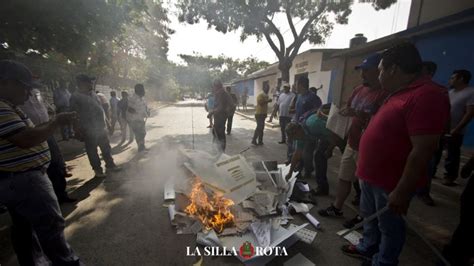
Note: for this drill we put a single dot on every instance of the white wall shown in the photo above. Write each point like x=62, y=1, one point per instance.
x=258, y=86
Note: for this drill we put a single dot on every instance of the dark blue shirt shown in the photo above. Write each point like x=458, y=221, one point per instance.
x=305, y=103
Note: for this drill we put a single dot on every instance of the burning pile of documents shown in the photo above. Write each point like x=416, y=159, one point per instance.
x=226, y=202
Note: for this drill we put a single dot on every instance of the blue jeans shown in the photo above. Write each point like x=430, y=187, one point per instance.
x=384, y=237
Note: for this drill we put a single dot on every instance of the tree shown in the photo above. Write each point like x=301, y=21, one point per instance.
x=256, y=18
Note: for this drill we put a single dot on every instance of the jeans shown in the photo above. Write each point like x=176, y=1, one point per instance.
x=258, y=134
x=459, y=251
x=383, y=237
x=219, y=130
x=230, y=119
x=101, y=140
x=284, y=121
x=139, y=130
x=321, y=164
x=38, y=225
x=453, y=159
x=57, y=169
x=123, y=128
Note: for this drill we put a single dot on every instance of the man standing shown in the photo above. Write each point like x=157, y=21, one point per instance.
x=363, y=103
x=276, y=95
x=245, y=96
x=35, y=109
x=122, y=113
x=308, y=101
x=222, y=107
x=461, y=97
x=91, y=126
x=137, y=113
x=24, y=187
x=230, y=117
x=113, y=111
x=283, y=103
x=395, y=150
x=61, y=97
x=260, y=115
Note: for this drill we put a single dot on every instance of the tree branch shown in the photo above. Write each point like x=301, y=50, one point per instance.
x=275, y=30
x=290, y=20
x=294, y=47
x=272, y=44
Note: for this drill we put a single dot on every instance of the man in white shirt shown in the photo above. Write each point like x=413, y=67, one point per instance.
x=137, y=112
x=113, y=111
x=283, y=103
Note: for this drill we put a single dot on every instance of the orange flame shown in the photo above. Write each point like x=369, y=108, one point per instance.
x=214, y=213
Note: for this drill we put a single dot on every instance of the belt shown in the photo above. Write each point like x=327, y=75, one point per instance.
x=6, y=174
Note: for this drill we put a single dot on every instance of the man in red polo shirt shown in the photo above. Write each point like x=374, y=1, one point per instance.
x=394, y=150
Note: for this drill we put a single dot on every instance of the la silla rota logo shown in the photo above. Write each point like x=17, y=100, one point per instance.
x=246, y=250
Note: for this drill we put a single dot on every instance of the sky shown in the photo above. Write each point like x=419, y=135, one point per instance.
x=188, y=39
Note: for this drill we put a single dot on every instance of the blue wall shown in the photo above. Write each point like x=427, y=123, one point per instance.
x=240, y=86
x=451, y=48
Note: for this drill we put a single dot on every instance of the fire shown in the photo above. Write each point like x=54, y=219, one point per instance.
x=214, y=213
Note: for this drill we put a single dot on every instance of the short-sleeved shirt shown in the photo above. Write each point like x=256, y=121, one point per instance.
x=284, y=102
x=12, y=157
x=89, y=111
x=459, y=101
x=314, y=128
x=262, y=104
x=114, y=105
x=420, y=109
x=306, y=102
x=139, y=105
x=367, y=100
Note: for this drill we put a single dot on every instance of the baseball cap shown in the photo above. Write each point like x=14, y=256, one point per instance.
x=84, y=78
x=13, y=70
x=285, y=84
x=371, y=61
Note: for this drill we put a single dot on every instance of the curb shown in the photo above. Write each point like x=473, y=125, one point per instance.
x=271, y=125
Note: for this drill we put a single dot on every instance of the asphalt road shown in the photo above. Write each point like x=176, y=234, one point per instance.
x=120, y=219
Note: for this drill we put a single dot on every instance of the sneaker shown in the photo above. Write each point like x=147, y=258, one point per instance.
x=260, y=143
x=99, y=173
x=114, y=168
x=352, y=222
x=330, y=211
x=351, y=251
x=254, y=143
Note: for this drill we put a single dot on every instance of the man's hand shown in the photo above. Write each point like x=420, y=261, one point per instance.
x=65, y=118
x=398, y=202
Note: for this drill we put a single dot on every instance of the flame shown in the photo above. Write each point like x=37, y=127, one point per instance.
x=214, y=213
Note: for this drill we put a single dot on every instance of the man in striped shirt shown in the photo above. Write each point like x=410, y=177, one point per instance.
x=24, y=187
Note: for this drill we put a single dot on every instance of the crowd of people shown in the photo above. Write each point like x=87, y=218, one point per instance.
x=400, y=123
x=33, y=171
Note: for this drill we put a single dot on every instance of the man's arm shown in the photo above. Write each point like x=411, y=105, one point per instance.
x=417, y=161
x=30, y=137
x=464, y=121
x=295, y=159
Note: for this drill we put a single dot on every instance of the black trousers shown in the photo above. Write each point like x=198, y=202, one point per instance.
x=321, y=164
x=258, y=134
x=219, y=130
x=57, y=169
x=308, y=156
x=459, y=250
x=230, y=118
x=284, y=121
x=451, y=164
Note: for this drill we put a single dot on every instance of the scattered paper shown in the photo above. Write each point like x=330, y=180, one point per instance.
x=261, y=231
x=208, y=238
x=303, y=186
x=299, y=260
x=312, y=220
x=169, y=194
x=299, y=207
x=337, y=123
x=353, y=237
x=304, y=234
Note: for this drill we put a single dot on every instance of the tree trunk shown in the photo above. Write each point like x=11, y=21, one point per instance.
x=285, y=70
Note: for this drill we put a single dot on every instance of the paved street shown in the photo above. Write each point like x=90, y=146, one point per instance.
x=120, y=220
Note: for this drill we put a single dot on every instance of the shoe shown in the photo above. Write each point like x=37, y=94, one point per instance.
x=330, y=211
x=320, y=191
x=351, y=251
x=99, y=173
x=352, y=222
x=281, y=142
x=228, y=133
x=427, y=199
x=254, y=143
x=260, y=143
x=114, y=168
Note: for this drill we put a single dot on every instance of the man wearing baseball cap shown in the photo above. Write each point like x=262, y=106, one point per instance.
x=24, y=187
x=363, y=103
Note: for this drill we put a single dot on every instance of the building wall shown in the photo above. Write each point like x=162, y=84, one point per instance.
x=423, y=11
x=310, y=62
x=240, y=86
x=258, y=86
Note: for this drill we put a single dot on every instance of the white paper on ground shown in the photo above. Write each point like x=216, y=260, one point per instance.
x=304, y=234
x=353, y=237
x=312, y=220
x=299, y=207
x=208, y=238
x=261, y=231
x=291, y=185
x=169, y=193
x=303, y=186
x=171, y=212
x=337, y=123
x=299, y=260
